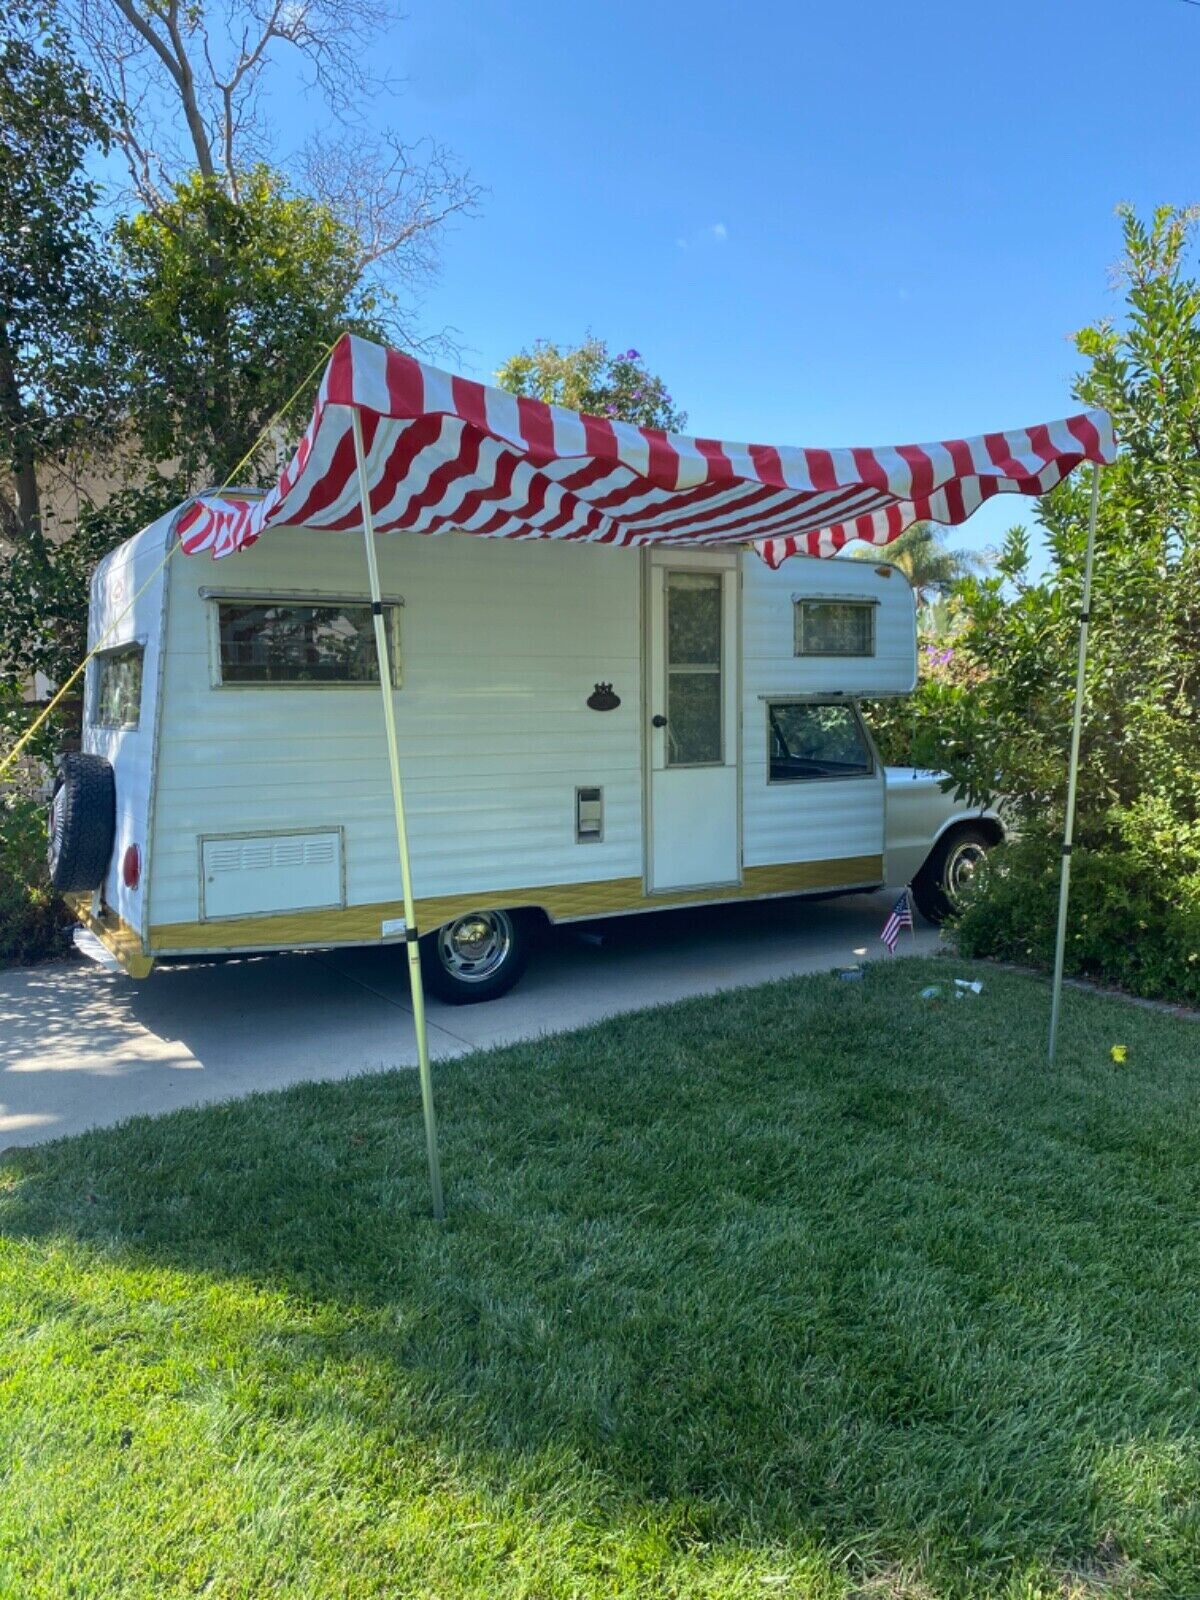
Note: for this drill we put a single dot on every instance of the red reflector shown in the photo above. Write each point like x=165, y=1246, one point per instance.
x=131, y=867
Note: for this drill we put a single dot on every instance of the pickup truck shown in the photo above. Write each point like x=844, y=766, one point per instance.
x=933, y=842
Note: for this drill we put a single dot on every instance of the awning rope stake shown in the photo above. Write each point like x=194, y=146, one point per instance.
x=1064, y=886
x=411, y=938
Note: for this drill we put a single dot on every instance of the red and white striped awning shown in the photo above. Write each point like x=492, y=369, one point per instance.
x=447, y=453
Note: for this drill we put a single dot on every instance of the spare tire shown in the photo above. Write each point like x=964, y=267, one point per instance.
x=82, y=823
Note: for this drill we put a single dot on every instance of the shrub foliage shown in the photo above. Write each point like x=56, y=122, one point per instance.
x=33, y=920
x=1000, y=724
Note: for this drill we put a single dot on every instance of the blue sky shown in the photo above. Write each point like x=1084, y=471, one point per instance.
x=835, y=224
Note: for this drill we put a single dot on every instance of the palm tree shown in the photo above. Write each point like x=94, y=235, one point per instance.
x=920, y=553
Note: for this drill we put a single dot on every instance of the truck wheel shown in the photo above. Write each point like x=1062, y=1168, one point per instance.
x=82, y=823
x=478, y=956
x=953, y=862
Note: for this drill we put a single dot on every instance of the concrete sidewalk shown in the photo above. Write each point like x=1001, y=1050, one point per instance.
x=80, y=1048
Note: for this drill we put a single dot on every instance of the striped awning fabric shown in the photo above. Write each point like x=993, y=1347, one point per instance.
x=447, y=453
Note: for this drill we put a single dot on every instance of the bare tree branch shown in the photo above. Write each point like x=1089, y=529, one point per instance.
x=172, y=52
x=188, y=76
x=394, y=197
x=186, y=83
x=140, y=158
x=141, y=26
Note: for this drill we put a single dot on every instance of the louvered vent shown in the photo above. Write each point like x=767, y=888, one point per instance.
x=262, y=873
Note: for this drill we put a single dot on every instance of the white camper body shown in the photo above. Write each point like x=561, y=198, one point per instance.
x=256, y=815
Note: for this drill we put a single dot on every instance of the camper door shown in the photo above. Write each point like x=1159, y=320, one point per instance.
x=692, y=707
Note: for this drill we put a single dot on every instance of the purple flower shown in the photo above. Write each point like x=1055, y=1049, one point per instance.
x=632, y=355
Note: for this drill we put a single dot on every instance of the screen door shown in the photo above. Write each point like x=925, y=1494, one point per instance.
x=693, y=734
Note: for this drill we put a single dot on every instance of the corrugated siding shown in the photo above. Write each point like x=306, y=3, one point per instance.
x=822, y=819
x=769, y=639
x=501, y=645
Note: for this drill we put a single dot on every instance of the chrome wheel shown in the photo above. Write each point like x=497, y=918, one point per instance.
x=962, y=864
x=474, y=947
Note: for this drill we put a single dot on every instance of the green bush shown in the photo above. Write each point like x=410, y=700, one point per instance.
x=34, y=923
x=891, y=724
x=999, y=720
x=1131, y=924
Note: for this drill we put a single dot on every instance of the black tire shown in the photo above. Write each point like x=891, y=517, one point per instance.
x=478, y=956
x=82, y=823
x=951, y=863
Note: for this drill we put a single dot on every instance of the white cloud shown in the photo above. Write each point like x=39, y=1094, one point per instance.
x=711, y=233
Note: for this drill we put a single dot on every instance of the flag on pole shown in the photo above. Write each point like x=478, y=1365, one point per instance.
x=901, y=917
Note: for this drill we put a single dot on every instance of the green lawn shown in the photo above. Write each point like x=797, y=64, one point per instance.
x=807, y=1290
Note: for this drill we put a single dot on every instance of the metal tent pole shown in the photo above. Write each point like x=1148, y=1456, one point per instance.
x=1064, y=887
x=415, y=984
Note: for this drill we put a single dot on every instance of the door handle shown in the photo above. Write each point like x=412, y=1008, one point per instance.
x=658, y=721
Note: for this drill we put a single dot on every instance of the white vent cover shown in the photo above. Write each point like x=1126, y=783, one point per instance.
x=267, y=872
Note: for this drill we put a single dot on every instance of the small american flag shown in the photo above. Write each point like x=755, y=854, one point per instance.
x=901, y=917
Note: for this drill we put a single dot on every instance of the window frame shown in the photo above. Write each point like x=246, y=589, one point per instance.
x=869, y=604
x=102, y=658
x=770, y=701
x=215, y=598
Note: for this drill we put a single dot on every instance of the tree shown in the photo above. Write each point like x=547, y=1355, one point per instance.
x=189, y=82
x=228, y=304
x=219, y=311
x=1138, y=823
x=586, y=377
x=921, y=554
x=54, y=282
x=217, y=291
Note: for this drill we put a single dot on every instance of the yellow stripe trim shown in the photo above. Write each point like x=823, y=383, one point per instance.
x=562, y=902
x=117, y=937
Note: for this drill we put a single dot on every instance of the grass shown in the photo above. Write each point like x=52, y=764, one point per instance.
x=810, y=1290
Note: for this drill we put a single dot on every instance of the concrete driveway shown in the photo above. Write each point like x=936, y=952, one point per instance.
x=80, y=1048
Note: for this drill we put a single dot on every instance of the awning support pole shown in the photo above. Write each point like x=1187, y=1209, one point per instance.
x=416, y=987
x=1064, y=886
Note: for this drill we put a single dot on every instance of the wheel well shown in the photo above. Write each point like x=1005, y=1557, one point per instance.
x=993, y=829
x=534, y=915
x=990, y=826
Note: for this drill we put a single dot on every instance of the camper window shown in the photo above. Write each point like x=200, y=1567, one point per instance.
x=816, y=741
x=303, y=642
x=694, y=669
x=835, y=628
x=118, y=694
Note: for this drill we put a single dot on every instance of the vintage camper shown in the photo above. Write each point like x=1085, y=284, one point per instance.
x=585, y=732
x=617, y=681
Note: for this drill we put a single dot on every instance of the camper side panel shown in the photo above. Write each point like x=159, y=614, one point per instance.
x=501, y=645
x=119, y=723
x=834, y=820
x=771, y=599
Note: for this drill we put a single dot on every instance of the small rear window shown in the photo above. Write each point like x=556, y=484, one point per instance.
x=118, y=701
x=835, y=628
